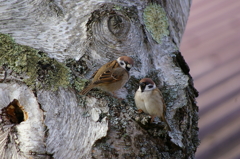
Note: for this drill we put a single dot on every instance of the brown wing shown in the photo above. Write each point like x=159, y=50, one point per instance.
x=111, y=76
x=104, y=74
x=164, y=110
x=110, y=65
x=164, y=105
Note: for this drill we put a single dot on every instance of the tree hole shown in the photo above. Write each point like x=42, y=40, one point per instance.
x=14, y=113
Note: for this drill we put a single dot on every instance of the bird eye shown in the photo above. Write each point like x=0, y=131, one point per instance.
x=121, y=63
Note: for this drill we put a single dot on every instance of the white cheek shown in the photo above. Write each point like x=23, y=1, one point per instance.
x=123, y=66
x=148, y=89
x=139, y=89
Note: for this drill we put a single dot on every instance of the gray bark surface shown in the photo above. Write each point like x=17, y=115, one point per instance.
x=62, y=124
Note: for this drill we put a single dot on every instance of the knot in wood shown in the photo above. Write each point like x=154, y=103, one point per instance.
x=118, y=25
x=113, y=32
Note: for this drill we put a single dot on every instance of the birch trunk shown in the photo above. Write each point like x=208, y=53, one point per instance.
x=58, y=45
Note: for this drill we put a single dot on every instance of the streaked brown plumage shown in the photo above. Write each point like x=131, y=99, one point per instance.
x=149, y=99
x=111, y=76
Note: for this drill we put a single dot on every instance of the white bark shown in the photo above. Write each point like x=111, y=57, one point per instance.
x=65, y=125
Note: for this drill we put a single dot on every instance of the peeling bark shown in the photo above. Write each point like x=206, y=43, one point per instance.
x=81, y=36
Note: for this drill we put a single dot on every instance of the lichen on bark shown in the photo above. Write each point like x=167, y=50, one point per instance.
x=35, y=68
x=156, y=21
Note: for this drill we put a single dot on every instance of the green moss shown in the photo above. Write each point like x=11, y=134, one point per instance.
x=38, y=70
x=77, y=68
x=156, y=21
x=118, y=7
x=79, y=84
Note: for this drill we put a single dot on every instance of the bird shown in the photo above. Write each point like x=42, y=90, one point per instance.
x=149, y=99
x=112, y=76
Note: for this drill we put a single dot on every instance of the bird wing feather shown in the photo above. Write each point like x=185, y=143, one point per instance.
x=161, y=97
x=113, y=74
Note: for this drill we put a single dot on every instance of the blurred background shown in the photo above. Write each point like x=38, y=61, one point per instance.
x=211, y=47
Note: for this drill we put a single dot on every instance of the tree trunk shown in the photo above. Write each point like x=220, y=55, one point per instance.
x=56, y=48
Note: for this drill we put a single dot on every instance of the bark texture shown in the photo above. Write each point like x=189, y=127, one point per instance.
x=58, y=45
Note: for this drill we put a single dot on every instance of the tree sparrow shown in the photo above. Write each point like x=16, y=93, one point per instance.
x=111, y=76
x=149, y=99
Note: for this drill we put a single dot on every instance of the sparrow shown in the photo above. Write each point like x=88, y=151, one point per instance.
x=149, y=99
x=112, y=76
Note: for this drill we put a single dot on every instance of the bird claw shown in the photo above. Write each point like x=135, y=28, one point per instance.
x=152, y=119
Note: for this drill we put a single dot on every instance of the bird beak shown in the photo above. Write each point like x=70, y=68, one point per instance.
x=142, y=86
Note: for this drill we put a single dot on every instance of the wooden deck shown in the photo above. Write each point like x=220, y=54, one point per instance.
x=211, y=47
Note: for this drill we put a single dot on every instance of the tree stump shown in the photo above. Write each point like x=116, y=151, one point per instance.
x=48, y=51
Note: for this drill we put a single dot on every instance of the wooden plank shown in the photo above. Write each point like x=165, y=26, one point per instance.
x=232, y=153
x=228, y=24
x=213, y=96
x=210, y=46
x=208, y=63
x=227, y=116
x=212, y=140
x=208, y=119
x=204, y=6
x=217, y=75
x=203, y=37
x=204, y=47
x=217, y=15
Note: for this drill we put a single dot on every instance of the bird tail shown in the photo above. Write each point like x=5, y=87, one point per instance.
x=86, y=89
x=168, y=127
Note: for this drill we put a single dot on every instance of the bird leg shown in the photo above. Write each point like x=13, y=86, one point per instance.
x=115, y=96
x=152, y=119
x=139, y=111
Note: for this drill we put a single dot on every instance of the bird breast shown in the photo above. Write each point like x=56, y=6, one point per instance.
x=151, y=102
x=140, y=98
